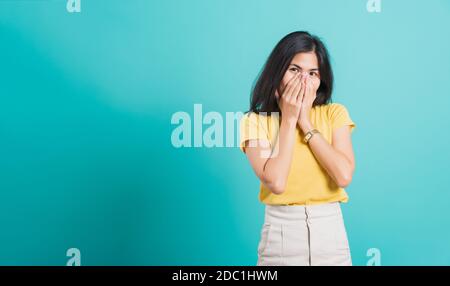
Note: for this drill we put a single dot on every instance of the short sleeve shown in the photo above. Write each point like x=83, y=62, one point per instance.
x=339, y=116
x=252, y=127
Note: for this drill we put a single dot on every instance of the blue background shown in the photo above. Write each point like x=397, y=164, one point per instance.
x=86, y=101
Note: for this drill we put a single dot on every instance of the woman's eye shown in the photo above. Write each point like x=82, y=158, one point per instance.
x=313, y=74
x=294, y=69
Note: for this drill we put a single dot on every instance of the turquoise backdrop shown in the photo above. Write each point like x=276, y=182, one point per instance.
x=86, y=101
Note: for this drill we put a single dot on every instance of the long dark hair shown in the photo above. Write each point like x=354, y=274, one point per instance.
x=263, y=97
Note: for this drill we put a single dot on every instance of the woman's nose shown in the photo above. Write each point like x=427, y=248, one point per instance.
x=304, y=74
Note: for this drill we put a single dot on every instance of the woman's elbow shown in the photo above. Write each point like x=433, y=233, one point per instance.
x=277, y=189
x=344, y=181
x=276, y=186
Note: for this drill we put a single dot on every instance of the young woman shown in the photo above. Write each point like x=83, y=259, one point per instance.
x=299, y=145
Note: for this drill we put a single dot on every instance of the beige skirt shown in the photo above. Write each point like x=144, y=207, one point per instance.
x=304, y=235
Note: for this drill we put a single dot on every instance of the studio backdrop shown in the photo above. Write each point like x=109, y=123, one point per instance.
x=93, y=95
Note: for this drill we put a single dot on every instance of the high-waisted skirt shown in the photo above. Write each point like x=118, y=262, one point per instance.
x=304, y=235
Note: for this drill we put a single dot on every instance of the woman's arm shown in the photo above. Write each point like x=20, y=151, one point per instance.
x=273, y=171
x=336, y=158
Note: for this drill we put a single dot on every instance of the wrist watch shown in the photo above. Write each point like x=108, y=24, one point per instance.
x=310, y=134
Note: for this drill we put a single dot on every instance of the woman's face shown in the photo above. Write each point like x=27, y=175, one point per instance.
x=306, y=64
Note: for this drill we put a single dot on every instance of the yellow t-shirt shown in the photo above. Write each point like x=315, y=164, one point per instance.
x=308, y=182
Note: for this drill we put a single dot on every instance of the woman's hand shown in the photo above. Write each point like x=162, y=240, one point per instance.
x=291, y=99
x=311, y=84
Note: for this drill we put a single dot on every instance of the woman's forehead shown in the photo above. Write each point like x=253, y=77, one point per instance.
x=306, y=61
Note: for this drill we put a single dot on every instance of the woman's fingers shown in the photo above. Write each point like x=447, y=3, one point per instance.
x=309, y=90
x=288, y=92
x=311, y=93
x=301, y=93
x=296, y=90
x=292, y=79
x=288, y=85
x=305, y=78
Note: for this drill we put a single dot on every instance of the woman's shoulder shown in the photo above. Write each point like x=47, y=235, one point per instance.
x=257, y=117
x=338, y=115
x=332, y=108
x=252, y=118
x=265, y=120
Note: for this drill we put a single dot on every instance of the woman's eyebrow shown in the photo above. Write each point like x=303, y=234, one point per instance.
x=301, y=68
